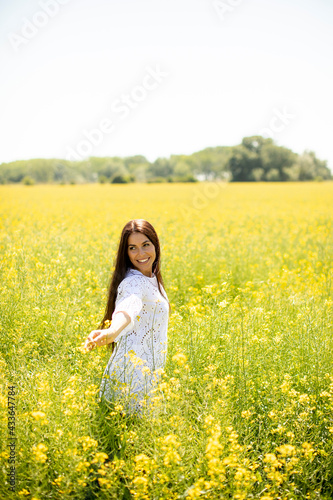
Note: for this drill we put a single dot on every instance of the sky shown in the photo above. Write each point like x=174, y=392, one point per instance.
x=87, y=78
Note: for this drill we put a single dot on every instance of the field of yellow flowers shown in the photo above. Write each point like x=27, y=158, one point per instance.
x=244, y=409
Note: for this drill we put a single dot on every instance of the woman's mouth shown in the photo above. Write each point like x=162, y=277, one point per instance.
x=143, y=261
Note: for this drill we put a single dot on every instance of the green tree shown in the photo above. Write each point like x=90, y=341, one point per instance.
x=242, y=163
x=276, y=158
x=161, y=167
x=310, y=167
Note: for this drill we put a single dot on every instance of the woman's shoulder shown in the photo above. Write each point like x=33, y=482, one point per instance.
x=132, y=279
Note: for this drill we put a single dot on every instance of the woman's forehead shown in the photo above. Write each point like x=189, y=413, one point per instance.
x=137, y=238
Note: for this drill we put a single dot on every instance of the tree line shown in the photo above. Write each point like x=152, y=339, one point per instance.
x=255, y=159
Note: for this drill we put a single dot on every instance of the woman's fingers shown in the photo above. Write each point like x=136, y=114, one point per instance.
x=90, y=345
x=94, y=334
x=101, y=338
x=91, y=342
x=96, y=337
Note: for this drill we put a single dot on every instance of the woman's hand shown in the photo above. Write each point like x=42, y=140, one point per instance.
x=97, y=338
x=107, y=336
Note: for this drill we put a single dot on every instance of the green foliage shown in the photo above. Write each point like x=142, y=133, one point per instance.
x=185, y=178
x=120, y=179
x=102, y=179
x=259, y=159
x=28, y=181
x=256, y=159
x=161, y=167
x=154, y=180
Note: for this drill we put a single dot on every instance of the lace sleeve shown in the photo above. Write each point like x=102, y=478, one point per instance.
x=129, y=300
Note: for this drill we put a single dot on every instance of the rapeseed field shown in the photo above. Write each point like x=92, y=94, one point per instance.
x=244, y=408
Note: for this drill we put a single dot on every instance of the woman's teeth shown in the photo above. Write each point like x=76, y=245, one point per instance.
x=143, y=261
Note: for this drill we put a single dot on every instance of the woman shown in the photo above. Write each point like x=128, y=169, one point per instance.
x=139, y=309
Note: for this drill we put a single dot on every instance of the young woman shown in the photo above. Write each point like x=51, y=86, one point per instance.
x=139, y=309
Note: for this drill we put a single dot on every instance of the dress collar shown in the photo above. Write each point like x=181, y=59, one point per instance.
x=135, y=271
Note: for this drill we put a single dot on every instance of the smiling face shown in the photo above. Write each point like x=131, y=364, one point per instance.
x=141, y=253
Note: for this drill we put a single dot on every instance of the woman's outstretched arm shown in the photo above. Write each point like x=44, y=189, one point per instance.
x=102, y=337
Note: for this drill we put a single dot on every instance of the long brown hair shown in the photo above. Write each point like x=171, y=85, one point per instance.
x=122, y=263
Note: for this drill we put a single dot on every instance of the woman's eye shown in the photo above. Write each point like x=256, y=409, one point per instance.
x=145, y=244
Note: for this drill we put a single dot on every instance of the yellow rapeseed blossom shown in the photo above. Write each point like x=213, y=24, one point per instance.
x=170, y=441
x=272, y=460
x=248, y=274
x=286, y=450
x=100, y=457
x=40, y=417
x=87, y=442
x=24, y=492
x=39, y=452
x=180, y=358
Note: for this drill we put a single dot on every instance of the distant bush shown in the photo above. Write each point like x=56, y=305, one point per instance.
x=273, y=175
x=28, y=181
x=120, y=179
x=185, y=178
x=102, y=179
x=154, y=180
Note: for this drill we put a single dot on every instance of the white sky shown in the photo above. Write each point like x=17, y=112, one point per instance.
x=231, y=70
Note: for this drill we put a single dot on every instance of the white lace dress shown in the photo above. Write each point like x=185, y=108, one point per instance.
x=141, y=348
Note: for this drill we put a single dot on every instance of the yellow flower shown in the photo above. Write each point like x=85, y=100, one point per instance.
x=159, y=371
x=307, y=449
x=100, y=457
x=140, y=481
x=246, y=414
x=136, y=360
x=272, y=459
x=170, y=440
x=180, y=358
x=196, y=489
x=39, y=416
x=24, y=492
x=304, y=398
x=38, y=451
x=83, y=349
x=286, y=450
x=171, y=457
x=58, y=481
x=82, y=466
x=142, y=462
x=87, y=442
x=209, y=420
